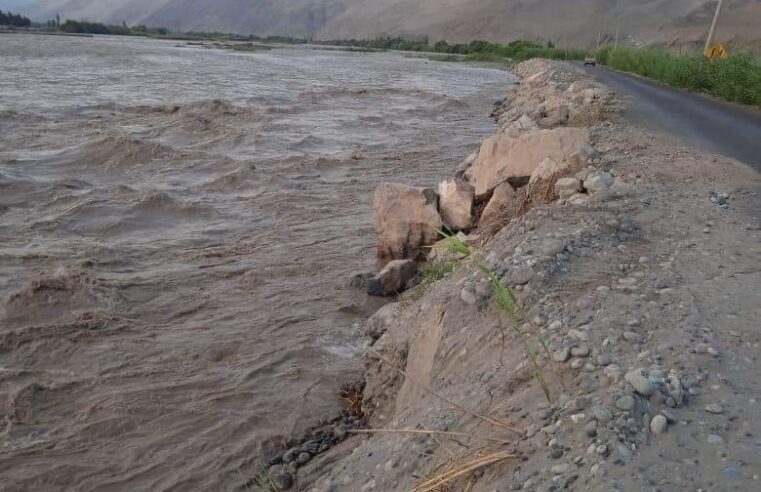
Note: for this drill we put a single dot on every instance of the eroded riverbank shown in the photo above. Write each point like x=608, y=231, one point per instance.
x=628, y=358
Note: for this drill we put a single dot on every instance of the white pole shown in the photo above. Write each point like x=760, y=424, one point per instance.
x=712, y=32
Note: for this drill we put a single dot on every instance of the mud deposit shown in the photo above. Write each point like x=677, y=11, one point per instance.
x=177, y=226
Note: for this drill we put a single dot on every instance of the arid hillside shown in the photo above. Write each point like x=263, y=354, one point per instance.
x=575, y=22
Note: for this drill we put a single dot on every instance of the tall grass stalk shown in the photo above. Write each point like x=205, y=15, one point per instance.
x=506, y=303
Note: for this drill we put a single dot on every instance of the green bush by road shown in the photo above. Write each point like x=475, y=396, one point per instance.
x=736, y=79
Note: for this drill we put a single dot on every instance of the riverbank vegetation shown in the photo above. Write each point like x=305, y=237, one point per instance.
x=736, y=79
x=473, y=51
x=85, y=27
x=15, y=20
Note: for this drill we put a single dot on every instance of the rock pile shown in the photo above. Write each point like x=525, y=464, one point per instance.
x=529, y=160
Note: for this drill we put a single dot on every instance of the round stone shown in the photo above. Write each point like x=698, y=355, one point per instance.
x=658, y=424
x=715, y=439
x=561, y=355
x=626, y=403
x=640, y=382
x=715, y=408
x=591, y=429
x=603, y=414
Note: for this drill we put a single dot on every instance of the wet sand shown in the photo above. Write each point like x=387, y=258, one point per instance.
x=178, y=228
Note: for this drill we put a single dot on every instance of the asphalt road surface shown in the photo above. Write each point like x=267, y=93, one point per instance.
x=705, y=123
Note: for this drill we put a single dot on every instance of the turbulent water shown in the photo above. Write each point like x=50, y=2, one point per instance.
x=177, y=228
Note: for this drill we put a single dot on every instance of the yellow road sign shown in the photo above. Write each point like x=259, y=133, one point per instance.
x=718, y=50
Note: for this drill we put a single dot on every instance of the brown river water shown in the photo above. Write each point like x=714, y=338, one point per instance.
x=177, y=229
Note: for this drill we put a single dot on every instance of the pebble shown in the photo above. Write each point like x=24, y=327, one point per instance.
x=303, y=458
x=280, y=477
x=658, y=424
x=484, y=289
x=577, y=364
x=578, y=335
x=582, y=351
x=468, y=296
x=561, y=355
x=603, y=360
x=555, y=325
x=626, y=403
x=715, y=408
x=560, y=469
x=602, y=450
x=556, y=453
x=715, y=439
x=290, y=455
x=603, y=414
x=591, y=429
x=520, y=275
x=732, y=472
x=631, y=336
x=640, y=382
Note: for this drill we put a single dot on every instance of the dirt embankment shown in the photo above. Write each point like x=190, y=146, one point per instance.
x=629, y=360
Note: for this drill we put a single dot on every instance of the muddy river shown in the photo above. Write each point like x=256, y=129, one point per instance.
x=177, y=228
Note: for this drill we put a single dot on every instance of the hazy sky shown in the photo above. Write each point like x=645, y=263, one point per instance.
x=11, y=4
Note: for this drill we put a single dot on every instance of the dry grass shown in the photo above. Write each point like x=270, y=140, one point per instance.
x=351, y=398
x=454, y=473
x=464, y=435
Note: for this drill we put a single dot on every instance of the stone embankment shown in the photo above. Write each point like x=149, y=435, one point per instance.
x=628, y=357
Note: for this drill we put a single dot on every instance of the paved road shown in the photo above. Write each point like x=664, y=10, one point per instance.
x=705, y=123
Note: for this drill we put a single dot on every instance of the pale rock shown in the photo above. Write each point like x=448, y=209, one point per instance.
x=561, y=355
x=567, y=187
x=393, y=278
x=406, y=219
x=505, y=155
x=658, y=424
x=547, y=170
x=578, y=199
x=456, y=204
x=468, y=296
x=640, y=382
x=523, y=124
x=560, y=469
x=626, y=403
x=715, y=439
x=520, y=275
x=599, y=182
x=502, y=199
x=379, y=322
x=715, y=408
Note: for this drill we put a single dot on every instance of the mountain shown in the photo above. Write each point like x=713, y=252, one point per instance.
x=575, y=22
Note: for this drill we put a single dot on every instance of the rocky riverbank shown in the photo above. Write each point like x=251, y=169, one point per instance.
x=594, y=327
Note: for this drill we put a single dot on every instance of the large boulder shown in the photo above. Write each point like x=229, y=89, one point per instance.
x=456, y=204
x=507, y=155
x=504, y=203
x=406, y=219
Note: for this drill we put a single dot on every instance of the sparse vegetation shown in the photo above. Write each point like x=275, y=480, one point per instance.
x=506, y=303
x=736, y=79
x=433, y=272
